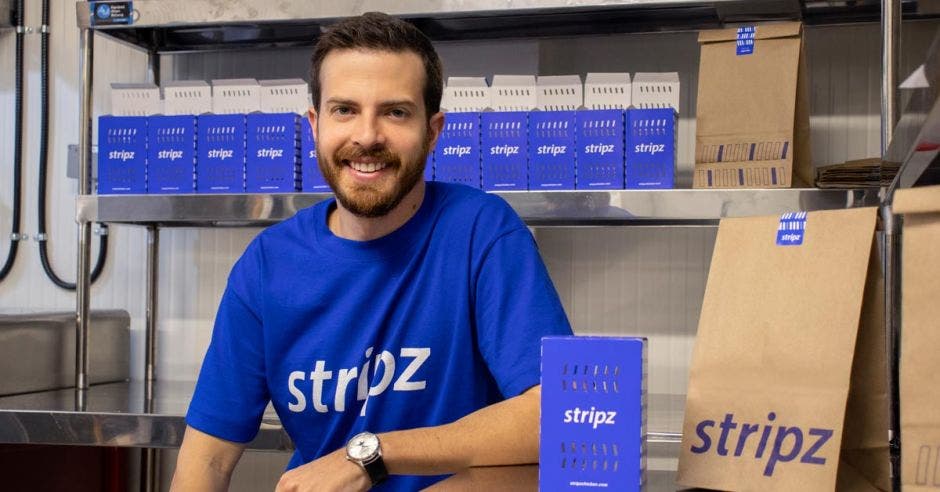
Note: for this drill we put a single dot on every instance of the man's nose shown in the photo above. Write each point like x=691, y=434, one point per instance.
x=368, y=133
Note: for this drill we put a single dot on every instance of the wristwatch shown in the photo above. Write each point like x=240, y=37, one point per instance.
x=365, y=450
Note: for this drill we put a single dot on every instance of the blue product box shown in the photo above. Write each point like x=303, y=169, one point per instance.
x=503, y=143
x=122, y=155
x=600, y=149
x=457, y=154
x=593, y=422
x=220, y=153
x=651, y=148
x=552, y=150
x=311, y=177
x=273, y=153
x=171, y=154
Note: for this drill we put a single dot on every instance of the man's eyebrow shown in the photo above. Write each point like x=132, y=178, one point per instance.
x=399, y=102
x=341, y=101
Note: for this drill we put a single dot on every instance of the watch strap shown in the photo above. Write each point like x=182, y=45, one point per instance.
x=376, y=471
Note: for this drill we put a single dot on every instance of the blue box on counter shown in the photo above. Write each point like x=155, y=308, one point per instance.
x=600, y=149
x=593, y=421
x=651, y=148
x=552, y=150
x=220, y=151
x=273, y=153
x=503, y=143
x=122, y=155
x=171, y=154
x=311, y=177
x=457, y=153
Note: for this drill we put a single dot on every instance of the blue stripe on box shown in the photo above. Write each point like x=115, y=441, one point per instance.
x=751, y=156
x=709, y=178
x=786, y=145
x=721, y=150
x=741, y=177
x=773, y=175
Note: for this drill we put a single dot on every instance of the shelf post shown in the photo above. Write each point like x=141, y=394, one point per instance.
x=890, y=63
x=83, y=277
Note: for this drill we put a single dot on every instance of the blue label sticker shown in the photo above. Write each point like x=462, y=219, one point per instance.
x=792, y=229
x=111, y=13
x=745, y=42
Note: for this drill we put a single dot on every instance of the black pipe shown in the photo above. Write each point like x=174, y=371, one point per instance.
x=43, y=165
x=17, y=145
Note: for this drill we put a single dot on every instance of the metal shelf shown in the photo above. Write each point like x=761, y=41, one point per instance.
x=636, y=207
x=195, y=25
x=118, y=414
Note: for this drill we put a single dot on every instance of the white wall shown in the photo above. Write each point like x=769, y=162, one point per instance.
x=642, y=281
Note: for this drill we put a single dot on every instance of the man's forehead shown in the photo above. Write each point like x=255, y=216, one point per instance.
x=397, y=75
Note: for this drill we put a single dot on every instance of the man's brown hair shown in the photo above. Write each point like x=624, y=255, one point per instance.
x=382, y=32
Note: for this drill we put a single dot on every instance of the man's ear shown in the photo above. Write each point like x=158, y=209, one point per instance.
x=435, y=126
x=312, y=117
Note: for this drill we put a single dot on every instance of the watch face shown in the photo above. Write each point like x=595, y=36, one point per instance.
x=363, y=446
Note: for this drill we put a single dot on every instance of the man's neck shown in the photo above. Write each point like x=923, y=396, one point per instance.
x=347, y=225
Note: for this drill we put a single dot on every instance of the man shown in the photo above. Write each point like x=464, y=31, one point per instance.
x=396, y=329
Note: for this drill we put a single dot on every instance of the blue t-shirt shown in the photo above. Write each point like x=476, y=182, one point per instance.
x=444, y=316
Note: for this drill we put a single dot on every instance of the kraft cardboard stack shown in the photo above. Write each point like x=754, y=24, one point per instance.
x=752, y=118
x=787, y=387
x=920, y=339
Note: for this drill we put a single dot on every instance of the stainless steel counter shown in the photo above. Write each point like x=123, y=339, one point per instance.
x=118, y=414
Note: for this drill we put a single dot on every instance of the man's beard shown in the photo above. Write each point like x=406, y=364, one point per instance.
x=365, y=200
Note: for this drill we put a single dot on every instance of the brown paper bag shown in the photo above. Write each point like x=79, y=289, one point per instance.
x=920, y=338
x=787, y=388
x=752, y=114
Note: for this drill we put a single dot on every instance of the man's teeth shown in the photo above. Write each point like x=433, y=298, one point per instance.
x=367, y=167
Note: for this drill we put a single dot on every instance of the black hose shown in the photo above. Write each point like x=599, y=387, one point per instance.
x=43, y=165
x=17, y=145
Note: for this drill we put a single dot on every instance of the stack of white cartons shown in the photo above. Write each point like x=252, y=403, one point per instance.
x=181, y=97
x=465, y=95
x=135, y=100
x=559, y=93
x=235, y=96
x=284, y=96
x=607, y=91
x=513, y=93
x=656, y=90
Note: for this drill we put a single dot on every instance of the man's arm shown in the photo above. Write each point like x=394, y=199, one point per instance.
x=205, y=462
x=505, y=433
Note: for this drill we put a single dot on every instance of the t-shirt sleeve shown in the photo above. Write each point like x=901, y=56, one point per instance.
x=231, y=392
x=516, y=305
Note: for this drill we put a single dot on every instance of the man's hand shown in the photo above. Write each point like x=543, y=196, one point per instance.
x=330, y=473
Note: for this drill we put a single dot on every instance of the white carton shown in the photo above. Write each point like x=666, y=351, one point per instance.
x=135, y=100
x=285, y=96
x=465, y=95
x=607, y=91
x=559, y=93
x=656, y=90
x=235, y=96
x=181, y=97
x=513, y=93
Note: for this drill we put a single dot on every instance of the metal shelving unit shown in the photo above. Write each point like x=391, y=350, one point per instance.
x=150, y=413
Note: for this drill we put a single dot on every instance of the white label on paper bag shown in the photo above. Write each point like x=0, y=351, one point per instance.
x=792, y=228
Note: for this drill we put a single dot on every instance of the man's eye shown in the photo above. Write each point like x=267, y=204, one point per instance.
x=342, y=110
x=398, y=113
